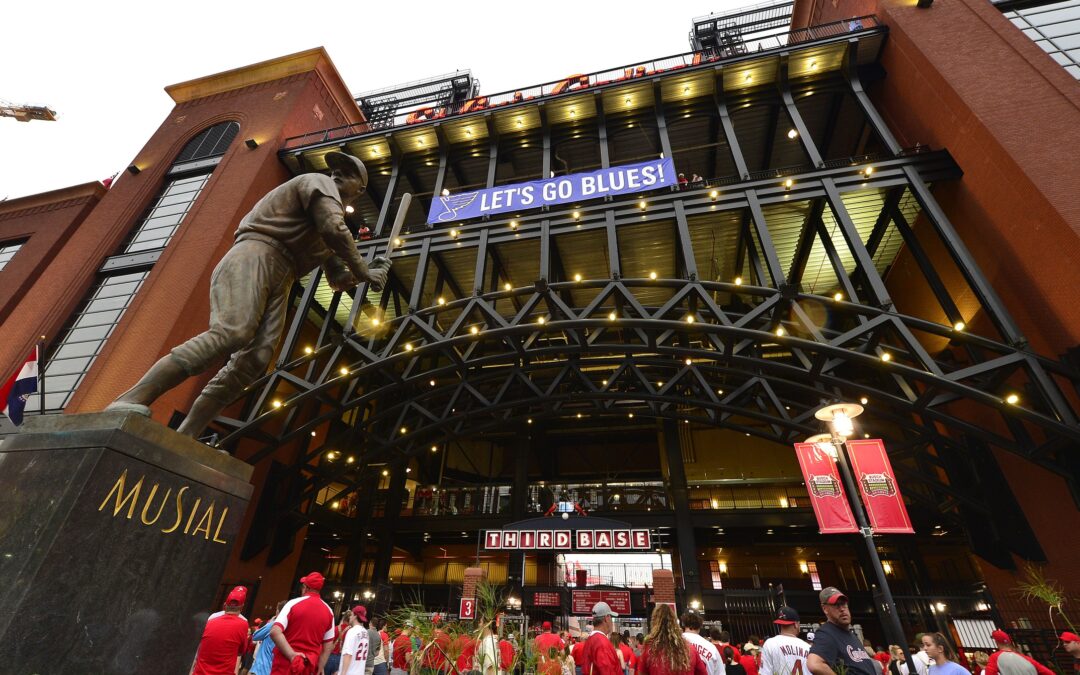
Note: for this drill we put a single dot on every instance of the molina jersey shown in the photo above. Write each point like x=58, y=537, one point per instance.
x=784, y=655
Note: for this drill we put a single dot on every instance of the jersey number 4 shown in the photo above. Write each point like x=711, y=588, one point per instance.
x=797, y=668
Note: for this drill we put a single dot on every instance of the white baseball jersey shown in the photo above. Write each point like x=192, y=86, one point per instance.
x=356, y=644
x=784, y=655
x=707, y=651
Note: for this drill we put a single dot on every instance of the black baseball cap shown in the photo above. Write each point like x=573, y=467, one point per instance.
x=787, y=616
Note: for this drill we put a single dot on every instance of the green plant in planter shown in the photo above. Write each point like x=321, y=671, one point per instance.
x=438, y=641
x=1036, y=586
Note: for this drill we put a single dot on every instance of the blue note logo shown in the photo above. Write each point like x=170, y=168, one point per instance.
x=455, y=203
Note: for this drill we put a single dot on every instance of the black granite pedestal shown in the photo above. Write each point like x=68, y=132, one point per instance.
x=114, y=533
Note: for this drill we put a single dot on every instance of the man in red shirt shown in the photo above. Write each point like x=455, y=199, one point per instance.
x=303, y=631
x=598, y=655
x=506, y=654
x=403, y=648
x=1006, y=654
x=548, y=639
x=465, y=647
x=225, y=638
x=1071, y=642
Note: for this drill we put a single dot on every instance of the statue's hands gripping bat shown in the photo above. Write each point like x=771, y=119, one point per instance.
x=379, y=268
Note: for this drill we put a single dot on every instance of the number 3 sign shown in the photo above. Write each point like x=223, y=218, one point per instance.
x=467, y=610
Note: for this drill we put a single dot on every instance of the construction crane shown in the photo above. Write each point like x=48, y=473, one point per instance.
x=25, y=113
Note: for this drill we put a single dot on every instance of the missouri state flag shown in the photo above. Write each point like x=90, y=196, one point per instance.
x=18, y=388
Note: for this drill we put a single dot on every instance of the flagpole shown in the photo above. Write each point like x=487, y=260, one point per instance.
x=41, y=373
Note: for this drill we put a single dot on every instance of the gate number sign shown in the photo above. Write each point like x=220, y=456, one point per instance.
x=467, y=610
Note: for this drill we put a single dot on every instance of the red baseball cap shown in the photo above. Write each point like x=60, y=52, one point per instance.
x=832, y=596
x=237, y=596
x=546, y=625
x=258, y=622
x=361, y=612
x=1001, y=636
x=314, y=581
x=1070, y=637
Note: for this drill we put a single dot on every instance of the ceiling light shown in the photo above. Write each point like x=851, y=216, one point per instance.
x=747, y=77
x=959, y=326
x=349, y=209
x=277, y=403
x=431, y=382
x=344, y=371
x=813, y=65
x=577, y=277
x=886, y=356
x=788, y=183
x=779, y=331
x=1012, y=399
x=838, y=296
x=541, y=321
x=714, y=194
x=408, y=346
x=404, y=430
x=453, y=234
x=507, y=286
x=642, y=205
x=652, y=275
x=690, y=318
x=864, y=400
x=441, y=300
x=792, y=133
x=612, y=316
x=308, y=350
x=513, y=224
x=738, y=281
x=474, y=330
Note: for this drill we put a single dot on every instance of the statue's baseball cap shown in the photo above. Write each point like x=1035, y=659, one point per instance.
x=347, y=163
x=831, y=596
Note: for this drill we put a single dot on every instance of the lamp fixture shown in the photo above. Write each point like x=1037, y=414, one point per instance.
x=839, y=416
x=792, y=134
x=251, y=143
x=133, y=170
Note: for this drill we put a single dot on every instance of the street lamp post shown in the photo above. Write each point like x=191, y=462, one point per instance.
x=839, y=417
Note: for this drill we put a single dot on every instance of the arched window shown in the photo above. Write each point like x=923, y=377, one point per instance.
x=123, y=273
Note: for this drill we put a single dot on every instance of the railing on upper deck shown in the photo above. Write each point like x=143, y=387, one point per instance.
x=630, y=497
x=580, y=82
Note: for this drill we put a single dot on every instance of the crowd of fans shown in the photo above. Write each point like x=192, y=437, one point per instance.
x=304, y=638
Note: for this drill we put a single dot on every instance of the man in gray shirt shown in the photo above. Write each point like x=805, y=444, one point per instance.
x=294, y=228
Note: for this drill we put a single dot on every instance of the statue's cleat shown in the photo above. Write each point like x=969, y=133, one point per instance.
x=123, y=406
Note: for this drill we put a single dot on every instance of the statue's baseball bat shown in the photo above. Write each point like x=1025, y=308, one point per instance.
x=399, y=220
x=395, y=232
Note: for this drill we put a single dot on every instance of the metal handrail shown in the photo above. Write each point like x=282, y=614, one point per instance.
x=578, y=82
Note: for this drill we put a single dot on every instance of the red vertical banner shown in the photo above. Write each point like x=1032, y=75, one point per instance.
x=826, y=490
x=877, y=484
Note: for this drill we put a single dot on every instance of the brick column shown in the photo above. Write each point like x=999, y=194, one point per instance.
x=663, y=586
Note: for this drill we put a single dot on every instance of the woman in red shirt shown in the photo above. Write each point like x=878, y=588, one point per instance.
x=666, y=652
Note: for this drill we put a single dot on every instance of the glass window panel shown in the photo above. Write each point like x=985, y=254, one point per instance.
x=82, y=342
x=72, y=349
x=7, y=252
x=1056, y=15
x=1059, y=29
x=1068, y=41
x=62, y=366
x=176, y=199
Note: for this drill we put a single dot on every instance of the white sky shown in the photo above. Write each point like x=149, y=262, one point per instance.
x=103, y=66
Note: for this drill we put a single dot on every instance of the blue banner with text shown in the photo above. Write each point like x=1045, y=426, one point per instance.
x=617, y=180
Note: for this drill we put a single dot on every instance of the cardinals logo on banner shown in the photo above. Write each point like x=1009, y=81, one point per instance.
x=18, y=388
x=827, y=494
x=884, y=505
